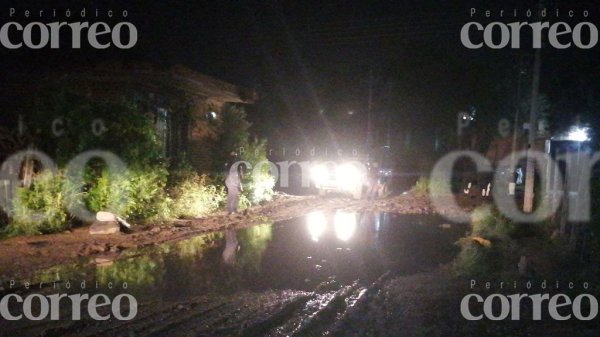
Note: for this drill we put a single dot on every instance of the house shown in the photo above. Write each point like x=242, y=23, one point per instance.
x=183, y=103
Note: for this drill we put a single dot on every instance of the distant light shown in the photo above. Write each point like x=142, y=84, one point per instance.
x=350, y=112
x=348, y=176
x=578, y=134
x=213, y=115
x=319, y=173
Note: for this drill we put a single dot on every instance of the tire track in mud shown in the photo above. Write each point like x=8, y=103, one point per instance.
x=329, y=310
x=356, y=309
x=326, y=313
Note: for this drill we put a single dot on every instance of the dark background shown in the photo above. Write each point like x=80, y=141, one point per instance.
x=312, y=63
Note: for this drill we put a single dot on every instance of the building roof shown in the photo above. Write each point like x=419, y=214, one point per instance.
x=110, y=79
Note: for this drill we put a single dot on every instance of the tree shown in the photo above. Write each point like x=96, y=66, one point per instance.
x=64, y=124
x=233, y=135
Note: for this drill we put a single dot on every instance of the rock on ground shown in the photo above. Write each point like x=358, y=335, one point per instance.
x=104, y=227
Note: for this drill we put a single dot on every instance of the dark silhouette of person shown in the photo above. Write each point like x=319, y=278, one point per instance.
x=373, y=181
x=233, y=182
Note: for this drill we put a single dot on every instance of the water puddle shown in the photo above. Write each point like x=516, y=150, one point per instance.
x=297, y=254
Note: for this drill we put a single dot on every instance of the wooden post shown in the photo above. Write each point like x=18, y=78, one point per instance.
x=530, y=172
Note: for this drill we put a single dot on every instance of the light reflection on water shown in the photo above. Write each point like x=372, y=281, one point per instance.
x=344, y=224
x=316, y=223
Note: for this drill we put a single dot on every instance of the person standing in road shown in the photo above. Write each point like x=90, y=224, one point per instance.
x=233, y=182
x=373, y=181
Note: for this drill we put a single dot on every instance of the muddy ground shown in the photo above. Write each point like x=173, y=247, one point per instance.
x=394, y=305
x=423, y=304
x=22, y=256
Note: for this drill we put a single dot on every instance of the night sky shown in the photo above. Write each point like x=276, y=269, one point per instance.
x=313, y=62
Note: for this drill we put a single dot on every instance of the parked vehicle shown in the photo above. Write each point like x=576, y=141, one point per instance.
x=348, y=176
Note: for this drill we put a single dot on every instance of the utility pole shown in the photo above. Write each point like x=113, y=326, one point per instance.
x=369, y=113
x=388, y=117
x=530, y=173
x=516, y=121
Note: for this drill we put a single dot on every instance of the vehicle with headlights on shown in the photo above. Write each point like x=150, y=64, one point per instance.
x=348, y=177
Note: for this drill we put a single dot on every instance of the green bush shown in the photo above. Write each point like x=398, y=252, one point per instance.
x=476, y=259
x=140, y=194
x=196, y=197
x=258, y=184
x=148, y=198
x=40, y=208
x=127, y=131
x=103, y=190
x=491, y=224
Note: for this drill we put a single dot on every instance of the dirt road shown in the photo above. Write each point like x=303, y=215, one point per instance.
x=21, y=256
x=386, y=307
